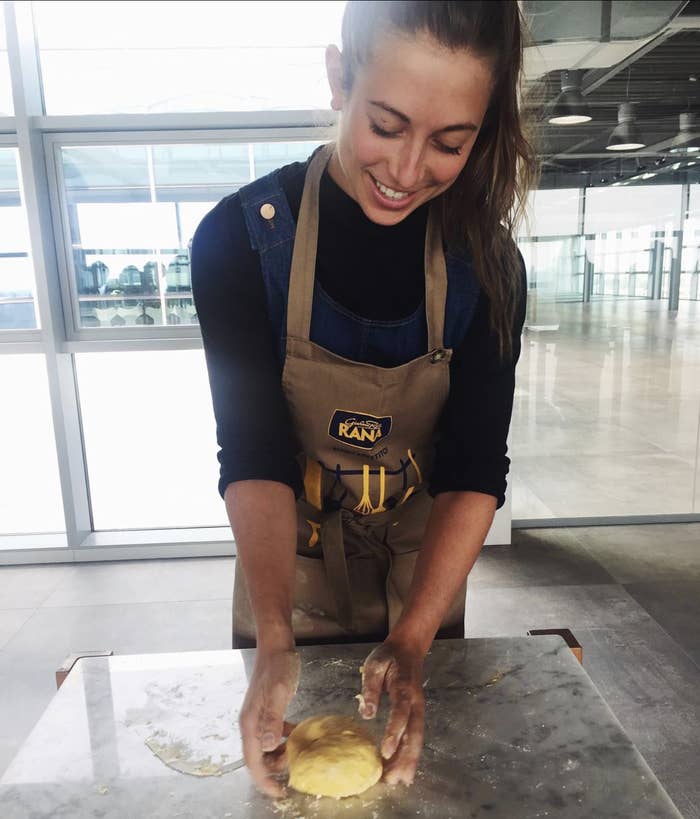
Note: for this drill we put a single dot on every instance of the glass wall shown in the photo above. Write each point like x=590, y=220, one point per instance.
x=607, y=408
x=17, y=310
x=690, y=264
x=631, y=239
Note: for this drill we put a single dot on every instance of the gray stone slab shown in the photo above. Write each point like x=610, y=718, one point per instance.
x=675, y=605
x=145, y=581
x=538, y=557
x=511, y=611
x=640, y=664
x=654, y=552
x=667, y=737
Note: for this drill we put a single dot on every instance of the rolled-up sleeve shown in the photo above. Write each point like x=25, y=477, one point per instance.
x=253, y=427
x=473, y=431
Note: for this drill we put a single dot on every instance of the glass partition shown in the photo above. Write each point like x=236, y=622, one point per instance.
x=607, y=402
x=631, y=238
x=17, y=309
x=690, y=263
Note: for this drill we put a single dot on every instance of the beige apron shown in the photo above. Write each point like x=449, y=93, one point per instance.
x=367, y=439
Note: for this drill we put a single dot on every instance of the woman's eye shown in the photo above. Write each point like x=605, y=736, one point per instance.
x=448, y=150
x=445, y=149
x=380, y=131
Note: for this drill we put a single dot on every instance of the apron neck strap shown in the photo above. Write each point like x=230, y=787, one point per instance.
x=435, y=280
x=303, y=269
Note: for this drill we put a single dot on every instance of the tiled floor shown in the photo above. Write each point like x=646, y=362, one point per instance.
x=631, y=595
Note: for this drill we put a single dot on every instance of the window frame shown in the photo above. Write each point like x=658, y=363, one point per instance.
x=80, y=339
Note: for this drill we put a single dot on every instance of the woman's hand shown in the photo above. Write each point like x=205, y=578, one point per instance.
x=270, y=690
x=397, y=669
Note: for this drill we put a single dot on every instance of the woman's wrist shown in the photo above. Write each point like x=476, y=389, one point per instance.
x=275, y=636
x=412, y=636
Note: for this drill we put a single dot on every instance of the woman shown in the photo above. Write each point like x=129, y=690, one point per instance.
x=361, y=315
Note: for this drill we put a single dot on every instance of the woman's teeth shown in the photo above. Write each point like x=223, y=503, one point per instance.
x=388, y=192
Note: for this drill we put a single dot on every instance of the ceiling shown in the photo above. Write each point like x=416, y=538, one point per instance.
x=638, y=51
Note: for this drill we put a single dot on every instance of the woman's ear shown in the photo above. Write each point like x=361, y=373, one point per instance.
x=334, y=70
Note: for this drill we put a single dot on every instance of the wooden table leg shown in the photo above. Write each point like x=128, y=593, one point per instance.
x=569, y=639
x=72, y=659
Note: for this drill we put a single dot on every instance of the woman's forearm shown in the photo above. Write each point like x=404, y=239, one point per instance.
x=456, y=530
x=263, y=520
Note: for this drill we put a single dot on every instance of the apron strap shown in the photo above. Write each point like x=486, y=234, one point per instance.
x=303, y=270
x=435, y=280
x=336, y=565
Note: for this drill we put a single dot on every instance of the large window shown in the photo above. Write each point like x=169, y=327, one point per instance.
x=632, y=239
x=6, y=106
x=150, y=440
x=208, y=56
x=132, y=211
x=30, y=493
x=17, y=311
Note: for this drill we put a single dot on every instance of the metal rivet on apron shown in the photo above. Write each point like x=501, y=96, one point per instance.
x=267, y=211
x=438, y=355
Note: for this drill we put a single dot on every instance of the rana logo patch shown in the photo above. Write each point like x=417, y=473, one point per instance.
x=358, y=429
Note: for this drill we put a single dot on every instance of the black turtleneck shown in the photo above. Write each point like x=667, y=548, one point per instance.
x=354, y=254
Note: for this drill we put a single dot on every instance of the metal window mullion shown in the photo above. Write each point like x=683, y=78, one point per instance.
x=62, y=382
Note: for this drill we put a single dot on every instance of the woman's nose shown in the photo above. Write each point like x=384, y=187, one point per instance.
x=406, y=166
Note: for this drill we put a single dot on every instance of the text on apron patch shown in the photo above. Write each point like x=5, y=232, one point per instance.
x=358, y=429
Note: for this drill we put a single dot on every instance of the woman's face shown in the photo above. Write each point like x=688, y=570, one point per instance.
x=408, y=125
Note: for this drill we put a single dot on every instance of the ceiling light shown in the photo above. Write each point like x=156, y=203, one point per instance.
x=625, y=136
x=570, y=107
x=687, y=140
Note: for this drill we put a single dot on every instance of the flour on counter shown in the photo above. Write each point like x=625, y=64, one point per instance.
x=188, y=731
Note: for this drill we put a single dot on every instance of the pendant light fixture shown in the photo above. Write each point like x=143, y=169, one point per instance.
x=625, y=136
x=570, y=107
x=686, y=142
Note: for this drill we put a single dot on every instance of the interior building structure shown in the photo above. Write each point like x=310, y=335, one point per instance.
x=113, y=146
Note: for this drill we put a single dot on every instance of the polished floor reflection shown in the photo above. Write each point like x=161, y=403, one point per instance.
x=607, y=411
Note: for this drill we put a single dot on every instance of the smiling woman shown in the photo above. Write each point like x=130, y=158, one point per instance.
x=361, y=316
x=394, y=156
x=452, y=71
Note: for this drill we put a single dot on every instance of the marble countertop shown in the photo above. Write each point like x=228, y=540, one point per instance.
x=514, y=729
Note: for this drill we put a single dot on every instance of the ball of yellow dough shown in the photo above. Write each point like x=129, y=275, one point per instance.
x=332, y=756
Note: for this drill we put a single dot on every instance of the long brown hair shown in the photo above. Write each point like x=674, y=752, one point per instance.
x=481, y=209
